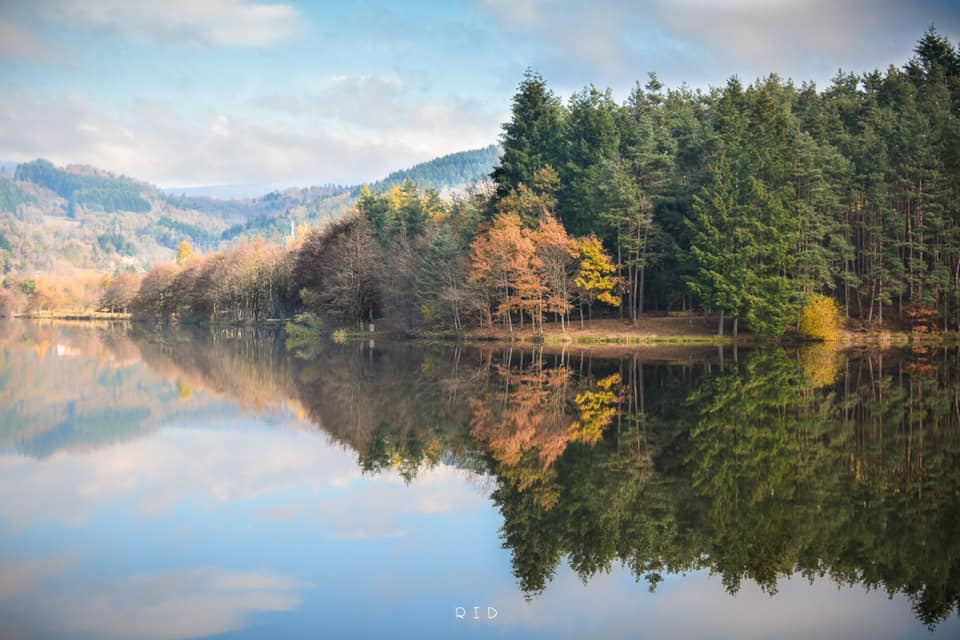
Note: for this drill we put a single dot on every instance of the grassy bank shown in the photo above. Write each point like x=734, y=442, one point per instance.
x=676, y=330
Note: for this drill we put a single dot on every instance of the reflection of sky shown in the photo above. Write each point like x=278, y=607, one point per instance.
x=234, y=526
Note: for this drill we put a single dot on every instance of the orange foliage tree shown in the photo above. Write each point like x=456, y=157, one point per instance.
x=535, y=271
x=503, y=261
x=554, y=250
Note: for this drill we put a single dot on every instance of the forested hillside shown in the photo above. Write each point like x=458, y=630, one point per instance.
x=751, y=201
x=78, y=217
x=86, y=187
x=450, y=172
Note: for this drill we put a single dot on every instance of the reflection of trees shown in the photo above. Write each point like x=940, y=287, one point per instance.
x=396, y=406
x=248, y=365
x=845, y=466
x=764, y=471
x=64, y=385
x=526, y=415
x=389, y=404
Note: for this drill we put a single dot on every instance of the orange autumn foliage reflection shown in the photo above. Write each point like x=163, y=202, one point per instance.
x=533, y=414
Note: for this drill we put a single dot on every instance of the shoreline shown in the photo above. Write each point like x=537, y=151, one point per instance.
x=73, y=315
x=600, y=334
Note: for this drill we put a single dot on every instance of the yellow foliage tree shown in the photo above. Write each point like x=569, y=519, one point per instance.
x=821, y=318
x=596, y=279
x=184, y=252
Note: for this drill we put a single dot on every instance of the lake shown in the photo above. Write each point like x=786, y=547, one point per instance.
x=224, y=483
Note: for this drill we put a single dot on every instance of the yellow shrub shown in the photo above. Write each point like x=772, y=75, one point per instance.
x=821, y=318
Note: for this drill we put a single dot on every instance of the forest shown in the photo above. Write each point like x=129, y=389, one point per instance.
x=747, y=202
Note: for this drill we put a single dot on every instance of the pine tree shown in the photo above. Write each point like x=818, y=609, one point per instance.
x=530, y=140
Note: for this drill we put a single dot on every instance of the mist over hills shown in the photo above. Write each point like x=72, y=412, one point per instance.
x=83, y=217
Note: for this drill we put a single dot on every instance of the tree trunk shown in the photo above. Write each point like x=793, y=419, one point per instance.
x=643, y=269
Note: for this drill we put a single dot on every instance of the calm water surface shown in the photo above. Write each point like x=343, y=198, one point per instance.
x=229, y=484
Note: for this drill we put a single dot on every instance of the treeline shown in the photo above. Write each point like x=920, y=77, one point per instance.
x=744, y=201
x=268, y=205
x=170, y=233
x=407, y=256
x=70, y=292
x=748, y=199
x=248, y=283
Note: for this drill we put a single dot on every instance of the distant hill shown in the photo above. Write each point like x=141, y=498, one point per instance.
x=86, y=186
x=77, y=216
x=446, y=173
x=80, y=217
x=223, y=191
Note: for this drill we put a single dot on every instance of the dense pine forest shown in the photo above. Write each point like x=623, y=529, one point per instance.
x=748, y=202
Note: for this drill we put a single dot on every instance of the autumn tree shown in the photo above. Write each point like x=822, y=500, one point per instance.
x=596, y=279
x=9, y=304
x=531, y=202
x=337, y=271
x=184, y=252
x=155, y=298
x=504, y=262
x=120, y=292
x=554, y=248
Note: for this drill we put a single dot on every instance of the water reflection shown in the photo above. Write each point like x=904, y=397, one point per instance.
x=760, y=468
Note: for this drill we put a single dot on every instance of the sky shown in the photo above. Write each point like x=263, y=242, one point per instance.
x=190, y=92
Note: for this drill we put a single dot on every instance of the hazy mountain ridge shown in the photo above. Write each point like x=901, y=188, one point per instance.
x=79, y=216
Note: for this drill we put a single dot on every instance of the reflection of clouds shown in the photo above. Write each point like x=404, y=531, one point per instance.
x=280, y=513
x=287, y=478
x=173, y=604
x=23, y=576
x=372, y=508
x=619, y=608
x=214, y=466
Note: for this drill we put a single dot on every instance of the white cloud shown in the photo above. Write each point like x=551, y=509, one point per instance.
x=705, y=41
x=19, y=43
x=384, y=110
x=211, y=22
x=371, y=133
x=774, y=32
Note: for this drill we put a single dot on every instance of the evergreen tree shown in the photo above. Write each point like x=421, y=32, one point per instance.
x=530, y=140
